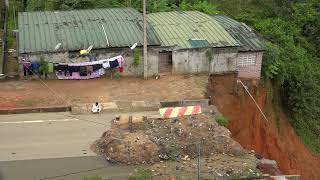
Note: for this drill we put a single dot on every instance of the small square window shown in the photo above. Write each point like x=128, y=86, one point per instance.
x=246, y=60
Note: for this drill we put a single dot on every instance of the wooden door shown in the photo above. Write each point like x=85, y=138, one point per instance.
x=165, y=62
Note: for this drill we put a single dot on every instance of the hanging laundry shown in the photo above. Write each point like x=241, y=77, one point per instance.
x=120, y=61
x=84, y=51
x=50, y=68
x=26, y=66
x=106, y=65
x=35, y=66
x=60, y=67
x=72, y=69
x=114, y=64
x=96, y=66
x=101, y=72
x=120, y=69
x=83, y=71
x=89, y=69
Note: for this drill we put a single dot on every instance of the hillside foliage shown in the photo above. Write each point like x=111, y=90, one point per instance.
x=291, y=29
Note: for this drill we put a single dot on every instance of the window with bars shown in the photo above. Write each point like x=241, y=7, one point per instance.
x=245, y=60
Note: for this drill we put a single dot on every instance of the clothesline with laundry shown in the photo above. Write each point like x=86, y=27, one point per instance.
x=83, y=70
x=88, y=70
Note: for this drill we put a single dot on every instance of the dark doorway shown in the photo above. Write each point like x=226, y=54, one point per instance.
x=165, y=62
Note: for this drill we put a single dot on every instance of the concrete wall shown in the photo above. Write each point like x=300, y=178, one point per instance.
x=196, y=61
x=129, y=68
x=189, y=61
x=224, y=60
x=250, y=71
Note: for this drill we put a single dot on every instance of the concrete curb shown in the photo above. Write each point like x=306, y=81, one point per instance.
x=35, y=110
x=137, y=106
x=117, y=106
x=198, y=102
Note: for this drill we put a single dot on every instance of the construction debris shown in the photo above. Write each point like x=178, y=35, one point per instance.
x=141, y=140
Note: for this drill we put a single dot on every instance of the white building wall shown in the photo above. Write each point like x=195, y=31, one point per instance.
x=224, y=60
x=196, y=61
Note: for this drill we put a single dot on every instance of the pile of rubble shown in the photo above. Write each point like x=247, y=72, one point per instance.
x=150, y=140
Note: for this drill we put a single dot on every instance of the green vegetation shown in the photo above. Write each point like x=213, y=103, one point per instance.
x=14, y=7
x=222, y=121
x=152, y=5
x=141, y=174
x=43, y=66
x=136, y=57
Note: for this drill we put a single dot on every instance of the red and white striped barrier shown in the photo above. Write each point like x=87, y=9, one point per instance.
x=171, y=112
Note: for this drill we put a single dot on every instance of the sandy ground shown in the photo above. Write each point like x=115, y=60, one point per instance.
x=33, y=93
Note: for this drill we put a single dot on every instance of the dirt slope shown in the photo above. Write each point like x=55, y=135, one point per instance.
x=250, y=129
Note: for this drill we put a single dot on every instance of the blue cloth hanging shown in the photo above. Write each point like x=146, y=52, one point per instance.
x=114, y=64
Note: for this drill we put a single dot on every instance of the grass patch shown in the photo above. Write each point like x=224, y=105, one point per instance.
x=141, y=174
x=222, y=121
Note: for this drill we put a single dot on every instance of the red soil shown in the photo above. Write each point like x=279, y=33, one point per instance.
x=253, y=132
x=33, y=93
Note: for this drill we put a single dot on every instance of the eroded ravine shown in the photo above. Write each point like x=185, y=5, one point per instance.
x=278, y=142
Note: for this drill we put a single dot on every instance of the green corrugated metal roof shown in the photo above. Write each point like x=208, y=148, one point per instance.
x=42, y=31
x=178, y=27
x=247, y=39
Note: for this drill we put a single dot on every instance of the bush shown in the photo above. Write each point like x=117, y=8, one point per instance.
x=141, y=174
x=222, y=121
x=136, y=57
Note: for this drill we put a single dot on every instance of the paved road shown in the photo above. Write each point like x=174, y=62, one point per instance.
x=50, y=135
x=74, y=168
x=54, y=146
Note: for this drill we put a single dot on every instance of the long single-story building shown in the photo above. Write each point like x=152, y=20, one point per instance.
x=193, y=42
x=58, y=36
x=251, y=48
x=179, y=42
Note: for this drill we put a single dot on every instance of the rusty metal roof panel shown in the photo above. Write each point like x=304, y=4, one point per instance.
x=245, y=36
x=177, y=28
x=78, y=29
